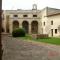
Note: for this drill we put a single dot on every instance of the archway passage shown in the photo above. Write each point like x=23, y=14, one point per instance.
x=15, y=25
x=34, y=27
x=25, y=25
x=7, y=28
x=3, y=29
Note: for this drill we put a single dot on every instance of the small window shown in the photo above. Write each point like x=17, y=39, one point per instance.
x=25, y=15
x=51, y=22
x=15, y=15
x=34, y=15
x=55, y=31
x=44, y=23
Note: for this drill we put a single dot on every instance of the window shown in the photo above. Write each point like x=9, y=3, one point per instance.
x=15, y=15
x=51, y=22
x=34, y=15
x=44, y=23
x=55, y=31
x=25, y=15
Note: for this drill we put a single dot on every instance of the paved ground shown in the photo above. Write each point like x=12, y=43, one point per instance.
x=17, y=49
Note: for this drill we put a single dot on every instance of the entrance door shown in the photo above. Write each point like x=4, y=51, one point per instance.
x=51, y=32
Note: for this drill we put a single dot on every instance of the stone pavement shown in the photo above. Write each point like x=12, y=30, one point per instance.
x=17, y=49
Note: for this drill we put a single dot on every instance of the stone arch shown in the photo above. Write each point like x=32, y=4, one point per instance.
x=25, y=25
x=34, y=27
x=15, y=25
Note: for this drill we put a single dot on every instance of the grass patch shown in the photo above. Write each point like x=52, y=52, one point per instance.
x=50, y=40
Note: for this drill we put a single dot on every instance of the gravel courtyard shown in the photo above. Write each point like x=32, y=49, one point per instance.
x=18, y=49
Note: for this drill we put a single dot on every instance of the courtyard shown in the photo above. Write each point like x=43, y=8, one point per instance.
x=19, y=49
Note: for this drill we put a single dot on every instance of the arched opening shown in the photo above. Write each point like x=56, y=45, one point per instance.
x=3, y=29
x=34, y=27
x=25, y=25
x=15, y=25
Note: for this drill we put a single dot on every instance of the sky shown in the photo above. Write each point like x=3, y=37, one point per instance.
x=27, y=4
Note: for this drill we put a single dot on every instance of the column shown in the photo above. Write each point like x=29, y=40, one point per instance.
x=30, y=28
x=10, y=27
x=5, y=27
x=20, y=25
x=39, y=28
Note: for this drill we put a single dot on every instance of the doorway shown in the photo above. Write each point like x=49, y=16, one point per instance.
x=52, y=32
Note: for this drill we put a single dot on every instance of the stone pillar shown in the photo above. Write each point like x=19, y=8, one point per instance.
x=10, y=27
x=20, y=25
x=30, y=28
x=39, y=28
x=5, y=27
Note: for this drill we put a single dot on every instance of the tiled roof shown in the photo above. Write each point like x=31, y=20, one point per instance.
x=52, y=11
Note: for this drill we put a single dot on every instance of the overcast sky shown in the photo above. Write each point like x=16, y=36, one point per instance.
x=27, y=4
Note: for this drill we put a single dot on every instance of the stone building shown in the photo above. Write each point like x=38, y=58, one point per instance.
x=34, y=21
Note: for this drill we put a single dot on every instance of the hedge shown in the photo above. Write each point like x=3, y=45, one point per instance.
x=19, y=32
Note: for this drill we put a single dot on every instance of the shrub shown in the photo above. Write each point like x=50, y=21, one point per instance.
x=19, y=32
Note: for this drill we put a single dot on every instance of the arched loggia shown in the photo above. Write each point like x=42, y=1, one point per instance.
x=15, y=25
x=25, y=25
x=34, y=27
